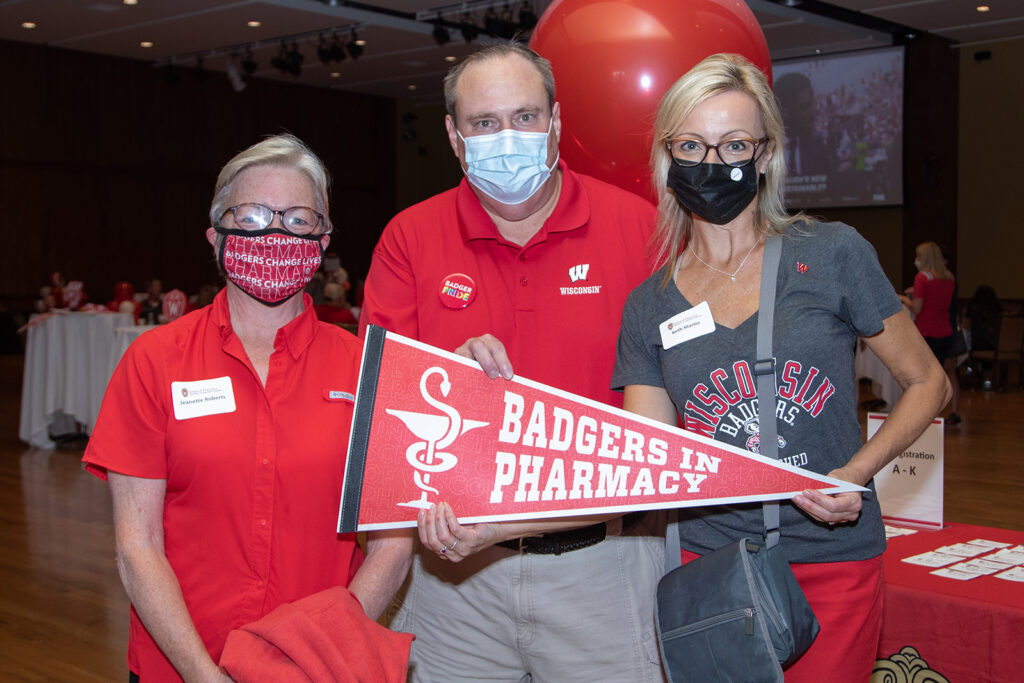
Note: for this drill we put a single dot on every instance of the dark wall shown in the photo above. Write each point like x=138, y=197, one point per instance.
x=931, y=125
x=107, y=170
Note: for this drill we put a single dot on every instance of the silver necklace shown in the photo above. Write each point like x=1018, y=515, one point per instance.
x=732, y=275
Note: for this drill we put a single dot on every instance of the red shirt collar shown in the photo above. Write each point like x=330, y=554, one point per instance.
x=296, y=336
x=571, y=212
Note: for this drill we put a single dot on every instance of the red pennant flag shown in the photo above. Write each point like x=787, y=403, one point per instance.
x=429, y=426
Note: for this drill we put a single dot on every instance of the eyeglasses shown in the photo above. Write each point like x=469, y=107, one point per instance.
x=737, y=152
x=298, y=220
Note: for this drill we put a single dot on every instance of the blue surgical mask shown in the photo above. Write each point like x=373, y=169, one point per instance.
x=508, y=166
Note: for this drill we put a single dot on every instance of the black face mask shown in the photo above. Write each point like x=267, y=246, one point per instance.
x=715, y=192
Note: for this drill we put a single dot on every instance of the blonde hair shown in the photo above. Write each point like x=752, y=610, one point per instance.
x=715, y=75
x=933, y=261
x=284, y=150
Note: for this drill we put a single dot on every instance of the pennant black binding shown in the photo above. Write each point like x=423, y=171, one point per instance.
x=373, y=348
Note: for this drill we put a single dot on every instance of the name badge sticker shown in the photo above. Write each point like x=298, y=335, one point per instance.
x=682, y=327
x=202, y=397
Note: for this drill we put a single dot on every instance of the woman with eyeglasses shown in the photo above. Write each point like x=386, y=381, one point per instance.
x=719, y=170
x=223, y=435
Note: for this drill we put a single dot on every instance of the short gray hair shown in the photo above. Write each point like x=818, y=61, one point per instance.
x=283, y=150
x=496, y=51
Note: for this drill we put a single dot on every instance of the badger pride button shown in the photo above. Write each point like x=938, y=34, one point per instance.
x=457, y=290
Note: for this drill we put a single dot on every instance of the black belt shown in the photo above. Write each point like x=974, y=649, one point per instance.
x=558, y=542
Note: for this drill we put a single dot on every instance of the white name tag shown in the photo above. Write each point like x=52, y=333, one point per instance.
x=687, y=325
x=202, y=397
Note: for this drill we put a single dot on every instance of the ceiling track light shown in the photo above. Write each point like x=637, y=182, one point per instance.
x=235, y=75
x=248, y=65
x=330, y=43
x=288, y=61
x=353, y=47
x=527, y=17
x=497, y=18
x=500, y=26
x=468, y=29
x=440, y=33
x=337, y=48
x=323, y=50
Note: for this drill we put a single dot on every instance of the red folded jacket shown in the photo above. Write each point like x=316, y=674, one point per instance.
x=323, y=637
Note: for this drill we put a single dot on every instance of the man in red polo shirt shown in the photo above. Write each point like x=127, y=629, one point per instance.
x=526, y=264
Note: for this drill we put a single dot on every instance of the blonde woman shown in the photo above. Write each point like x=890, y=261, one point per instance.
x=932, y=302
x=719, y=171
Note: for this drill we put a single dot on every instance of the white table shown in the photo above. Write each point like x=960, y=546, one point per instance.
x=67, y=367
x=123, y=338
x=883, y=384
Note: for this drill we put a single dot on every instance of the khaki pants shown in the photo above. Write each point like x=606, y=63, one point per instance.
x=585, y=615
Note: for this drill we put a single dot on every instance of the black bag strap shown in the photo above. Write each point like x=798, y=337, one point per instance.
x=764, y=372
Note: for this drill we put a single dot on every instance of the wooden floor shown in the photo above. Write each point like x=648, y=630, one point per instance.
x=63, y=613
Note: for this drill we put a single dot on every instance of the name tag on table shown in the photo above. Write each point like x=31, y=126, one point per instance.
x=687, y=325
x=202, y=397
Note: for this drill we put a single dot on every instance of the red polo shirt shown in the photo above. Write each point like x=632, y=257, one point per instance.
x=555, y=303
x=252, y=494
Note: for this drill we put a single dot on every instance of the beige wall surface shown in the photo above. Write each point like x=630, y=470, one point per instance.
x=990, y=230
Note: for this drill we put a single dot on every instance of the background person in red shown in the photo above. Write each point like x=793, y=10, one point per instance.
x=719, y=166
x=932, y=301
x=525, y=263
x=223, y=435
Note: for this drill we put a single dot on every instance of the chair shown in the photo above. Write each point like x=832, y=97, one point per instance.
x=1009, y=349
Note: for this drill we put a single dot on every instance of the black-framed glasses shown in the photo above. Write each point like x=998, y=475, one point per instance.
x=298, y=220
x=736, y=152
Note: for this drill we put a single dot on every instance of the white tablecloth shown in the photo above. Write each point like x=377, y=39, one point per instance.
x=67, y=367
x=883, y=384
x=123, y=338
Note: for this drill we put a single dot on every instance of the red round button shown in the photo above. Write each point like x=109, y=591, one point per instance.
x=457, y=290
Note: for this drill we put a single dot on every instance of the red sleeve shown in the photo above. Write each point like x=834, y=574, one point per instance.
x=390, y=292
x=130, y=433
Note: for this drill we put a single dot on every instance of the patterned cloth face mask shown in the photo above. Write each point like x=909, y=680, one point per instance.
x=269, y=265
x=510, y=165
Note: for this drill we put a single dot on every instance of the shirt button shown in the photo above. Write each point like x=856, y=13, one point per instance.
x=266, y=461
x=523, y=281
x=263, y=522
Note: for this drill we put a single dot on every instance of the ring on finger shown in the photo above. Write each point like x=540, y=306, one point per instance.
x=444, y=549
x=452, y=547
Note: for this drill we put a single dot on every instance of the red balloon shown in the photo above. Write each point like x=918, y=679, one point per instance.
x=614, y=59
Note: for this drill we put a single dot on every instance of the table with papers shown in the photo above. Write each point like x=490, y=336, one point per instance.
x=956, y=596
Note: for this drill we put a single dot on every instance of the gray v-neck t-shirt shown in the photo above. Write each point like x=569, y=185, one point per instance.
x=831, y=290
